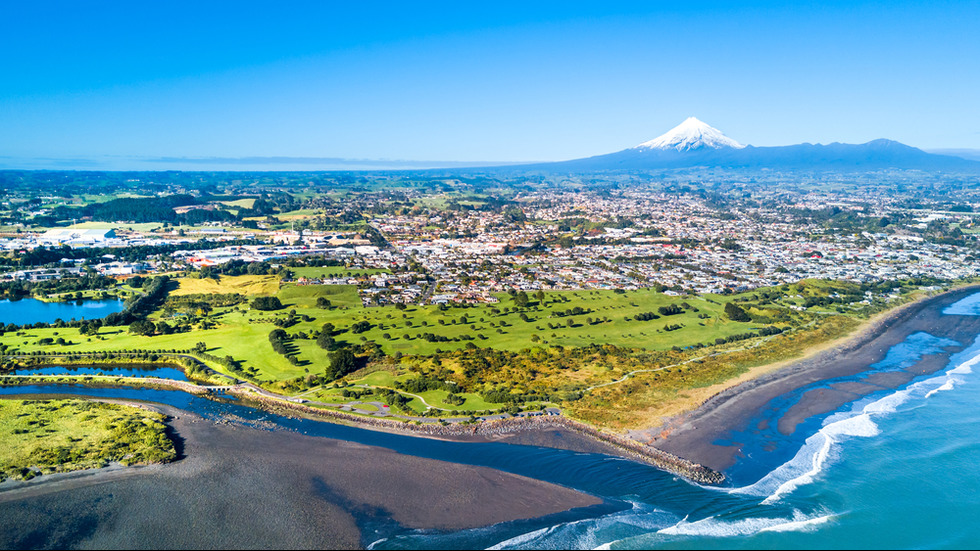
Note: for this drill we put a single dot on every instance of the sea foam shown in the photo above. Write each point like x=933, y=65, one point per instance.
x=717, y=528
x=592, y=533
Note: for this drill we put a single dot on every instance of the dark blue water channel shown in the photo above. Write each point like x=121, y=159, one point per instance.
x=122, y=371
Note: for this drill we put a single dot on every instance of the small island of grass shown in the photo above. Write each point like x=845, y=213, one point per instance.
x=49, y=436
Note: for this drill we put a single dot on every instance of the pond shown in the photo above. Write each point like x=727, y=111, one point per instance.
x=123, y=371
x=31, y=310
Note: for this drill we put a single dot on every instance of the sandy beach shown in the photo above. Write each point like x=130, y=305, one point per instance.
x=243, y=487
x=702, y=436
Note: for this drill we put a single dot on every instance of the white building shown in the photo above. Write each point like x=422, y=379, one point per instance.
x=75, y=236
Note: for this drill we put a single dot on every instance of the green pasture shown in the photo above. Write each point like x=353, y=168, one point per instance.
x=240, y=203
x=335, y=271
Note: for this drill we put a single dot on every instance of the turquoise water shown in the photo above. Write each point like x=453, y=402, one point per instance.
x=899, y=469
x=30, y=310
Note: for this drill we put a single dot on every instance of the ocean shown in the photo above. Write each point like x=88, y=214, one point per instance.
x=896, y=469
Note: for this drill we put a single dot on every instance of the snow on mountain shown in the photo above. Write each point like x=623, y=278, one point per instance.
x=692, y=134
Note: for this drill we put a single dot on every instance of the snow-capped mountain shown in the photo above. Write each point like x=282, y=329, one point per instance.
x=692, y=134
x=696, y=144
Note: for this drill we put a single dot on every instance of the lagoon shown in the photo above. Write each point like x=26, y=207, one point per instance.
x=29, y=310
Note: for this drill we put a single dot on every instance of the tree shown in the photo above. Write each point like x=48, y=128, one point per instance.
x=266, y=303
x=200, y=347
x=142, y=327
x=521, y=299
x=322, y=303
x=342, y=362
x=539, y=296
x=736, y=312
x=325, y=340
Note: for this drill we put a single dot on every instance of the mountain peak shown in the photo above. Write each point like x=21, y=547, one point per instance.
x=692, y=134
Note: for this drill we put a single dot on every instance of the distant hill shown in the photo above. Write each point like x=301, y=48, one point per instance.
x=972, y=154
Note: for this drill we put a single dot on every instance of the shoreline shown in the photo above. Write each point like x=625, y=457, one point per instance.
x=490, y=430
x=692, y=435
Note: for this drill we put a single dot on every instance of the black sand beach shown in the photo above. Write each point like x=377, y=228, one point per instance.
x=242, y=487
x=695, y=436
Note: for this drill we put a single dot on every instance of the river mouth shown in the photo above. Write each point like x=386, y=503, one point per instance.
x=311, y=484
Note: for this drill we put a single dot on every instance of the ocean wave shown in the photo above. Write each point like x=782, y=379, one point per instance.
x=592, y=533
x=800, y=525
x=948, y=385
x=815, y=454
x=965, y=367
x=717, y=528
x=819, y=450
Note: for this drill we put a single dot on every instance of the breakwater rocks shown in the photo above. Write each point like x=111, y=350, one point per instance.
x=500, y=427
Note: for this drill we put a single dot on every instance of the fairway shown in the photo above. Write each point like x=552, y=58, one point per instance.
x=305, y=296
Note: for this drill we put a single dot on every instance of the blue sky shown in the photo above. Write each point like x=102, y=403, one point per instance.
x=475, y=81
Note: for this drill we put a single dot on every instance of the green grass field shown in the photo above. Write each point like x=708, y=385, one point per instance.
x=418, y=332
x=240, y=203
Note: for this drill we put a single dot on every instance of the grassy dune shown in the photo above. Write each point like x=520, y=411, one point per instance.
x=46, y=436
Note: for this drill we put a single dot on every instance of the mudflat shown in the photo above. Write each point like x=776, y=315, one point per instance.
x=705, y=435
x=242, y=487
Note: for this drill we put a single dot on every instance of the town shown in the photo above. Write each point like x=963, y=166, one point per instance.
x=455, y=245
